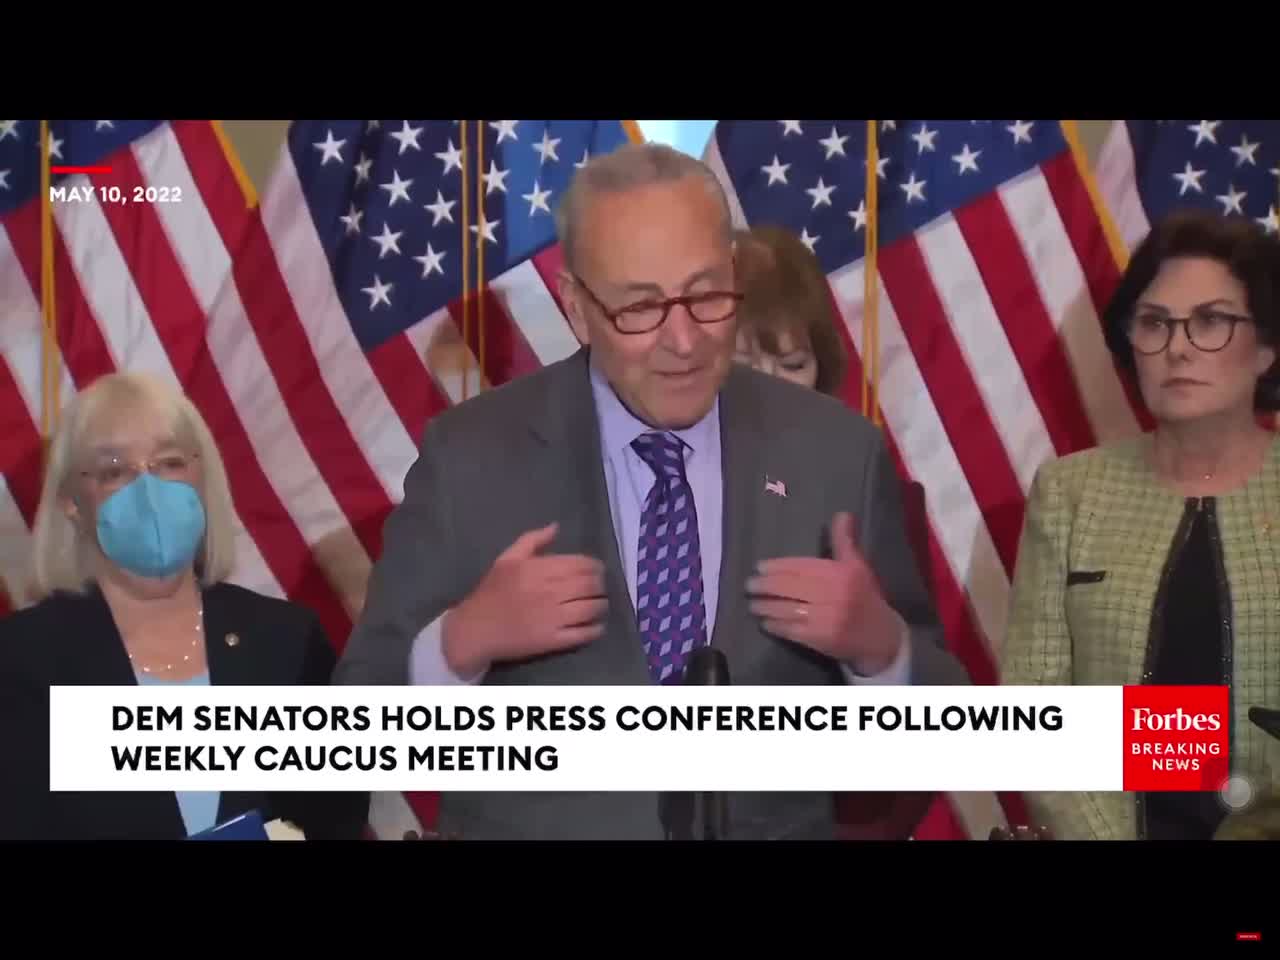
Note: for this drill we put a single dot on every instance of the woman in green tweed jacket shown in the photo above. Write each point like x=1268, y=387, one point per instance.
x=1157, y=560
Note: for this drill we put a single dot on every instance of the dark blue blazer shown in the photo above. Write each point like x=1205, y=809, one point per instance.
x=70, y=639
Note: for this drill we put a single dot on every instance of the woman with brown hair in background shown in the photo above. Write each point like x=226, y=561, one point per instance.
x=787, y=321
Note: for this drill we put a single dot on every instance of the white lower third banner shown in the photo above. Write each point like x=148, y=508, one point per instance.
x=619, y=738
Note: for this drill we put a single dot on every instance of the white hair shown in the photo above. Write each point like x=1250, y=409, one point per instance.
x=628, y=167
x=62, y=555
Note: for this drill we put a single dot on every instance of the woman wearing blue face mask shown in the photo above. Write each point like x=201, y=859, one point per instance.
x=133, y=543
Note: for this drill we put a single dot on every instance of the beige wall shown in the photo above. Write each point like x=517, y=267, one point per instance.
x=259, y=143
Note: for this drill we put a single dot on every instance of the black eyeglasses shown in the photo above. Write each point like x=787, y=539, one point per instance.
x=1207, y=330
x=645, y=316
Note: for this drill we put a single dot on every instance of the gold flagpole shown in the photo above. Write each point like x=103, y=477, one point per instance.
x=51, y=381
x=870, y=315
x=466, y=264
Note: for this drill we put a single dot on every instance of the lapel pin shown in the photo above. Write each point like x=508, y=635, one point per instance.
x=776, y=487
x=233, y=639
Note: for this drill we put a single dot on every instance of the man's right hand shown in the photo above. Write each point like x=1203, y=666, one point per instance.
x=526, y=605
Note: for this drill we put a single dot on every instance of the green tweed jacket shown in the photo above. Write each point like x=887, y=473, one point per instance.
x=1099, y=532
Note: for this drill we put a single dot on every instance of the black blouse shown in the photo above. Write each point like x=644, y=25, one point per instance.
x=1189, y=652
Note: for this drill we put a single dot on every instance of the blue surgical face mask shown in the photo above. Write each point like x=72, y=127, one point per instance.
x=152, y=527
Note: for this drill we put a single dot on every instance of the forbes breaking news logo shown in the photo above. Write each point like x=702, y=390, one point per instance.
x=1176, y=738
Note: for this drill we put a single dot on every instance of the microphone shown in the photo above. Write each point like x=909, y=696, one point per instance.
x=706, y=667
x=675, y=812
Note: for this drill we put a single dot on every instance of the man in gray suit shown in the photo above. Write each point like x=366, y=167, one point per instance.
x=545, y=521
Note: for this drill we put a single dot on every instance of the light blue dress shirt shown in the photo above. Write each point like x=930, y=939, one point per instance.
x=629, y=479
x=199, y=808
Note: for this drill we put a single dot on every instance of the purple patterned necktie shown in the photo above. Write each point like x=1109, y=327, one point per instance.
x=669, y=607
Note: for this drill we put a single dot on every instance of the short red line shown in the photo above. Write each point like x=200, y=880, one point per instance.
x=80, y=169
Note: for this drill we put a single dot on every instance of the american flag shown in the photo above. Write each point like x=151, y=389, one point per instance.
x=317, y=330
x=1149, y=167
x=992, y=265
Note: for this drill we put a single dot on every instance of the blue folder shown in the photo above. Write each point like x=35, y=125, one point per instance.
x=247, y=826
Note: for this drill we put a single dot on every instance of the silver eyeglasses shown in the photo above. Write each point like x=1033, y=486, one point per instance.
x=115, y=472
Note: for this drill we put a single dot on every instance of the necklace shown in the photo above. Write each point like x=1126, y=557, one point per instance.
x=186, y=657
x=1170, y=474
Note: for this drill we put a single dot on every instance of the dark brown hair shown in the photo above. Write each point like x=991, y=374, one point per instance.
x=786, y=291
x=1240, y=245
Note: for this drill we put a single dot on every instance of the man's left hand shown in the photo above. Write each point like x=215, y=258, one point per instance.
x=832, y=606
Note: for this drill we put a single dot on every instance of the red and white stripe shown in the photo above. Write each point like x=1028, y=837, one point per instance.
x=991, y=362
x=385, y=441
x=1118, y=184
x=21, y=386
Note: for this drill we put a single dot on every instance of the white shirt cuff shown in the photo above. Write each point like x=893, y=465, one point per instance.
x=898, y=673
x=427, y=665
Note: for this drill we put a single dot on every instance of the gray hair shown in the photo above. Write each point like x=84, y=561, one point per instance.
x=627, y=168
x=62, y=553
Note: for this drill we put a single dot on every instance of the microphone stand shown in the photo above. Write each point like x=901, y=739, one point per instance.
x=675, y=811
x=714, y=810
x=707, y=666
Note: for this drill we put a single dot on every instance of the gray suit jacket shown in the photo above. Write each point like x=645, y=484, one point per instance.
x=528, y=453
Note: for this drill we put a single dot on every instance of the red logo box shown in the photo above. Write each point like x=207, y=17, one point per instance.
x=1176, y=738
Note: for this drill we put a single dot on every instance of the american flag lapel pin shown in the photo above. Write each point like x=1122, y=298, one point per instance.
x=776, y=487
